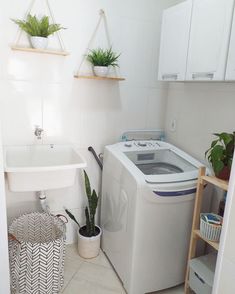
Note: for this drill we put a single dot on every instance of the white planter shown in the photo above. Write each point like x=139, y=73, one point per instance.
x=89, y=247
x=39, y=42
x=101, y=71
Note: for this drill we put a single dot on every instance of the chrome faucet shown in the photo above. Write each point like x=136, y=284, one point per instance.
x=38, y=132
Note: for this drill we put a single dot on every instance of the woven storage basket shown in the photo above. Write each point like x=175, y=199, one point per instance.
x=37, y=254
x=210, y=231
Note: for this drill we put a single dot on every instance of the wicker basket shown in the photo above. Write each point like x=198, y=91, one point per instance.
x=37, y=254
x=210, y=231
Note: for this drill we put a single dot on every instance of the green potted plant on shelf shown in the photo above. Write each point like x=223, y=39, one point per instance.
x=88, y=235
x=220, y=154
x=101, y=60
x=38, y=29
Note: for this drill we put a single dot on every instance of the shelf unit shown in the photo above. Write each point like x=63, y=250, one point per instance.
x=98, y=78
x=43, y=51
x=195, y=234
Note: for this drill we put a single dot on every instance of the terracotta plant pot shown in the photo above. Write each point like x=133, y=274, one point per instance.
x=224, y=174
x=89, y=247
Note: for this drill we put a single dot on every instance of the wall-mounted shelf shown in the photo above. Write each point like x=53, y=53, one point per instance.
x=18, y=47
x=98, y=78
x=42, y=51
x=79, y=74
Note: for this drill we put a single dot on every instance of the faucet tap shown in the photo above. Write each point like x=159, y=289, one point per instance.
x=38, y=132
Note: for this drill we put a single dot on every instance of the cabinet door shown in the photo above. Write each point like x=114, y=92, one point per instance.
x=174, y=42
x=230, y=72
x=209, y=39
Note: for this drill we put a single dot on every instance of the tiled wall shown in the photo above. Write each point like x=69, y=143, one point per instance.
x=200, y=109
x=40, y=89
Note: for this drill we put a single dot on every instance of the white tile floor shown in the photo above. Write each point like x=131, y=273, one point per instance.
x=94, y=276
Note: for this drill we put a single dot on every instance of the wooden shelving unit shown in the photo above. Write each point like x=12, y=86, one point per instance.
x=98, y=78
x=195, y=234
x=46, y=51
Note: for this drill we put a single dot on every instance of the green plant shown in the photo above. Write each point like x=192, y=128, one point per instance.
x=101, y=57
x=36, y=27
x=90, y=210
x=220, y=154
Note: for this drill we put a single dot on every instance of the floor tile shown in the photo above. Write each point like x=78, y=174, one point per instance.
x=95, y=276
x=91, y=278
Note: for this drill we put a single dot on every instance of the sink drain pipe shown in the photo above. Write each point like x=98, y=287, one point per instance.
x=43, y=201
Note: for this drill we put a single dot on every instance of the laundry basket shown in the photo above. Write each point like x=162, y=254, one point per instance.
x=37, y=252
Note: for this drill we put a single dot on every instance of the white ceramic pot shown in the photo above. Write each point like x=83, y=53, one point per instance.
x=39, y=42
x=101, y=71
x=89, y=247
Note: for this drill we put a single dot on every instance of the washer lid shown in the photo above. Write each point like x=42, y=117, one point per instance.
x=163, y=165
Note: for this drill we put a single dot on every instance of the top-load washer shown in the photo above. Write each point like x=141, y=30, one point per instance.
x=148, y=191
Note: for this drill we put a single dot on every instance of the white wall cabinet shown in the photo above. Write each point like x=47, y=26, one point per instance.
x=174, y=42
x=209, y=39
x=230, y=72
x=195, y=41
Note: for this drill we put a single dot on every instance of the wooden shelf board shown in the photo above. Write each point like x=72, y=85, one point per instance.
x=42, y=51
x=217, y=182
x=98, y=78
x=215, y=245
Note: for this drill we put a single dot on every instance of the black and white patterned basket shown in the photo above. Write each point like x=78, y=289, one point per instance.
x=37, y=254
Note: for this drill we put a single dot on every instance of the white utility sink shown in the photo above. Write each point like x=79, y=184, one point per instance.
x=41, y=167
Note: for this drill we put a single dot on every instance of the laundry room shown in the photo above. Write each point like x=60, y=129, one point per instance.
x=116, y=145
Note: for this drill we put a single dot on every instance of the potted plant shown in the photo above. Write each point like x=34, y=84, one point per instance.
x=88, y=235
x=220, y=154
x=101, y=60
x=38, y=30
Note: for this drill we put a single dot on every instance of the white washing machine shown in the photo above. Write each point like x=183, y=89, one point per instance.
x=147, y=202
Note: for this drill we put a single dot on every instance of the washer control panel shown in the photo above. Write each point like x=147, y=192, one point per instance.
x=141, y=145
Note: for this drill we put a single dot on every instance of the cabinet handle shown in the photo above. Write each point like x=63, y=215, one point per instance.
x=170, y=76
x=208, y=75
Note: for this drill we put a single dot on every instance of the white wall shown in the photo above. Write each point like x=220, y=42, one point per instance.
x=200, y=109
x=40, y=89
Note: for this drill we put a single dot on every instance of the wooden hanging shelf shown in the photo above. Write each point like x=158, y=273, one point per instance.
x=42, y=51
x=98, y=78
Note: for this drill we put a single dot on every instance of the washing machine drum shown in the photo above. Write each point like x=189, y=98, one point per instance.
x=159, y=168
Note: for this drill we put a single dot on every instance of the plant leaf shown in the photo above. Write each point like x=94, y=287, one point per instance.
x=34, y=26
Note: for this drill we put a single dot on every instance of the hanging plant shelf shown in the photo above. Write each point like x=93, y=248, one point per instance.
x=98, y=78
x=18, y=47
x=42, y=51
x=115, y=76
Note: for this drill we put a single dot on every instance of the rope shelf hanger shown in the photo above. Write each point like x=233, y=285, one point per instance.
x=78, y=74
x=18, y=47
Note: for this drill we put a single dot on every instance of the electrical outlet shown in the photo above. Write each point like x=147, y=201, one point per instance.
x=173, y=125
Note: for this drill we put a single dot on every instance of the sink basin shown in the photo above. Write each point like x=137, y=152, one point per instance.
x=41, y=167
